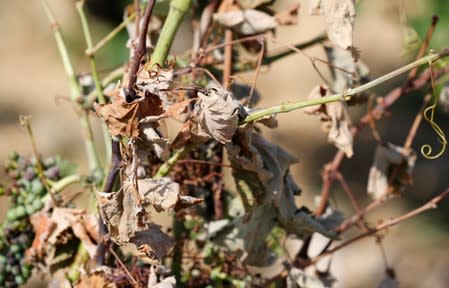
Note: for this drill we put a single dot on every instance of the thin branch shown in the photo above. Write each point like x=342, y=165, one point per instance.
x=94, y=71
x=432, y=204
x=110, y=36
x=75, y=92
x=227, y=67
x=140, y=49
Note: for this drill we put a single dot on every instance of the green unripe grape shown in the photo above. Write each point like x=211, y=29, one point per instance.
x=3, y=259
x=8, y=268
x=26, y=272
x=14, y=156
x=15, y=248
x=37, y=205
x=15, y=270
x=29, y=209
x=30, y=198
x=37, y=187
x=20, y=211
x=19, y=280
x=11, y=215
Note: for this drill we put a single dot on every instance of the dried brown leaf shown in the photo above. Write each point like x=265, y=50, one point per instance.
x=335, y=114
x=340, y=133
x=123, y=118
x=216, y=115
x=340, y=18
x=97, y=279
x=391, y=171
x=57, y=231
x=346, y=71
x=163, y=194
x=246, y=22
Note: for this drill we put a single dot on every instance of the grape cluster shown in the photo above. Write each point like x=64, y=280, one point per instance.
x=26, y=196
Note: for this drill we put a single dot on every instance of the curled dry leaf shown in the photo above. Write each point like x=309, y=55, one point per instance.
x=157, y=82
x=340, y=19
x=96, y=279
x=261, y=173
x=63, y=227
x=127, y=222
x=391, y=171
x=246, y=22
x=216, y=115
x=169, y=282
x=334, y=113
x=123, y=118
x=163, y=194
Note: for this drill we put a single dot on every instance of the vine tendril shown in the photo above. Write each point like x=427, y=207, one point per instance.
x=429, y=113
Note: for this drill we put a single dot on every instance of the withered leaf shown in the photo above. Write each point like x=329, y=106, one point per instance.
x=340, y=18
x=57, y=231
x=123, y=118
x=340, y=134
x=163, y=194
x=345, y=70
x=156, y=82
x=128, y=222
x=246, y=22
x=391, y=171
x=96, y=279
x=335, y=114
x=169, y=282
x=154, y=141
x=216, y=115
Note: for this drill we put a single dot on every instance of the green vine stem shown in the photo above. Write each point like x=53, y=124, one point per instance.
x=75, y=92
x=178, y=8
x=168, y=165
x=345, y=96
x=64, y=182
x=94, y=71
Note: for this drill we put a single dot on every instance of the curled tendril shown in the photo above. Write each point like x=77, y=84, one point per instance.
x=426, y=149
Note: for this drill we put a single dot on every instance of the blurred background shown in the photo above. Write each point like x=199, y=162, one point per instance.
x=32, y=82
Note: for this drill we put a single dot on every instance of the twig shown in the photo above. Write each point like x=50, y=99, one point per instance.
x=346, y=95
x=75, y=92
x=412, y=133
x=92, y=51
x=108, y=185
x=429, y=205
x=227, y=68
x=256, y=74
x=140, y=49
x=93, y=67
x=119, y=261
